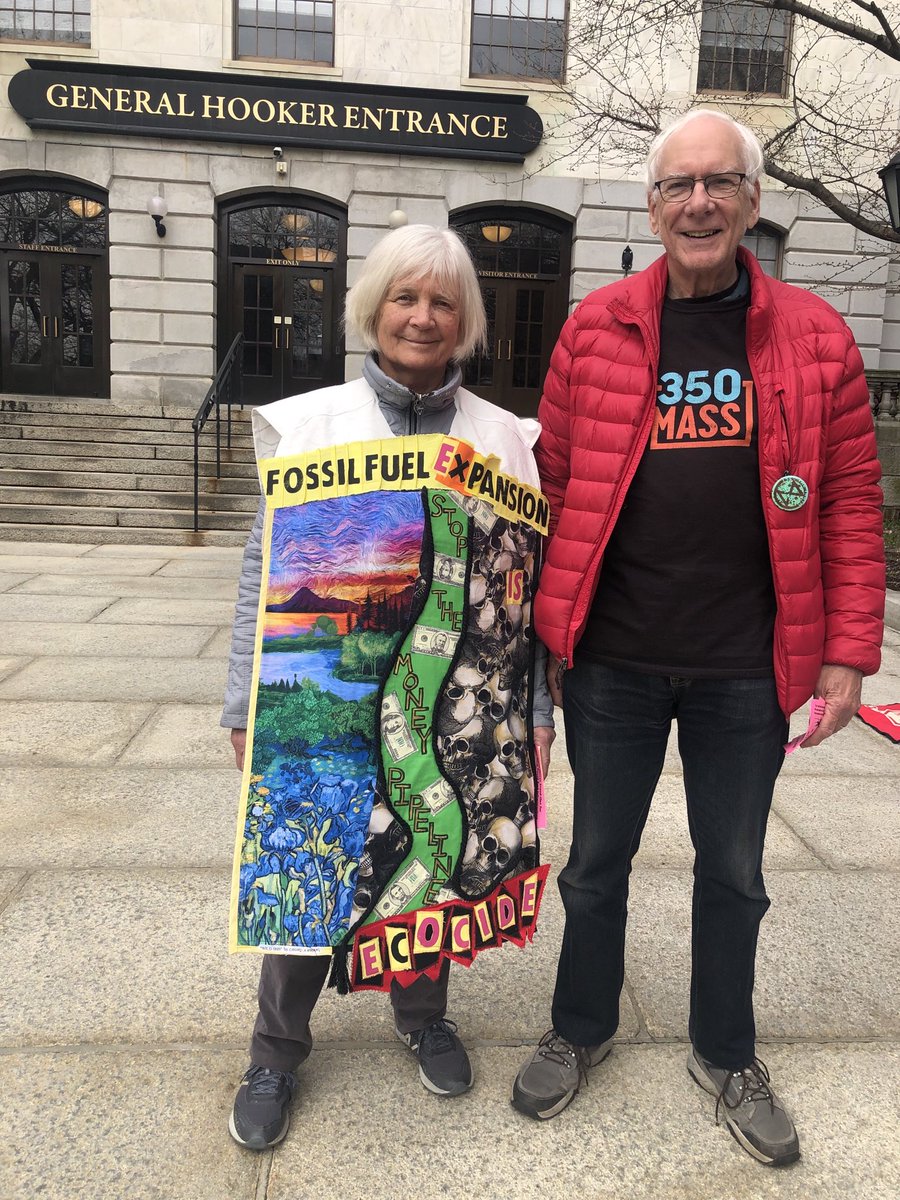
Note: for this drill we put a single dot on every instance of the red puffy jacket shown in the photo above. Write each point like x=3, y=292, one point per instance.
x=814, y=421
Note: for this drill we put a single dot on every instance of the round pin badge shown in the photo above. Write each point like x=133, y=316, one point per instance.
x=789, y=493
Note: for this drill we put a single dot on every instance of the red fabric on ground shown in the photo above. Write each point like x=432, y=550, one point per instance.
x=883, y=718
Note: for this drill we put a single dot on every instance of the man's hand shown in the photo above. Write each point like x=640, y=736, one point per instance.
x=544, y=737
x=841, y=689
x=554, y=679
x=239, y=741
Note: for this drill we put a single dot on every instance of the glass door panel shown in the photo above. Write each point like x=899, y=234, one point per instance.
x=479, y=370
x=306, y=328
x=26, y=343
x=77, y=303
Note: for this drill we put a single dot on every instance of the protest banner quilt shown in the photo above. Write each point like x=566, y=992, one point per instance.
x=388, y=796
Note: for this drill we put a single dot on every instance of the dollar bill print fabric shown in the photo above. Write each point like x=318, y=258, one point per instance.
x=388, y=807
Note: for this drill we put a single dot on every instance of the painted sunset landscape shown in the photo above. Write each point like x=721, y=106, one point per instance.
x=339, y=593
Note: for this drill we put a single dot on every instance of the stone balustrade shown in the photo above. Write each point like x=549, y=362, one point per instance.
x=884, y=394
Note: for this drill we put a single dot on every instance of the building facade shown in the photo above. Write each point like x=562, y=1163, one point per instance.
x=176, y=174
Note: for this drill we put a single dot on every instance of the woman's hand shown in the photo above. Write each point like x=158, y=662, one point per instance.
x=554, y=679
x=544, y=737
x=239, y=741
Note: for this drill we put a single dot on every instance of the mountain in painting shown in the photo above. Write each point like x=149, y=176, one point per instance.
x=306, y=600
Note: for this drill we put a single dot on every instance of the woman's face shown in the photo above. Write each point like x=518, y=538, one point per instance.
x=417, y=332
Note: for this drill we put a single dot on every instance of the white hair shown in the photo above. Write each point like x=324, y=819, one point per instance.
x=415, y=252
x=751, y=147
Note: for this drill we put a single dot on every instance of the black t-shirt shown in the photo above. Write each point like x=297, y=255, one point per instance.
x=686, y=582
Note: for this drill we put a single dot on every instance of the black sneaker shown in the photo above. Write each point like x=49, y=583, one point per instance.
x=261, y=1113
x=444, y=1066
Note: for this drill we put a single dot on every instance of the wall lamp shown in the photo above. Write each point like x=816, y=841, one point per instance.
x=627, y=261
x=157, y=208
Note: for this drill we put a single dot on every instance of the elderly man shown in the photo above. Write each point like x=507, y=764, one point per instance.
x=716, y=558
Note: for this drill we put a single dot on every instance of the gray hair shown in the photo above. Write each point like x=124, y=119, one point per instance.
x=752, y=149
x=415, y=252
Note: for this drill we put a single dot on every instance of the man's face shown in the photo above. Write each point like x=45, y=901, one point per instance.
x=700, y=234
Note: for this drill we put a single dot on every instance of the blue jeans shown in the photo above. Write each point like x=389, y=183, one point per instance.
x=731, y=735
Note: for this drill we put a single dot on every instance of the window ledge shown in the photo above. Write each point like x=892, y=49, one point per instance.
x=281, y=67
x=514, y=83
x=742, y=97
x=42, y=49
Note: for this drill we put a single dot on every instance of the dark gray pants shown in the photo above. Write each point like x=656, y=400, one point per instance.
x=289, y=987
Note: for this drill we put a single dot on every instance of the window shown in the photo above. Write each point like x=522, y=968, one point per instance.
x=54, y=219
x=765, y=242
x=519, y=39
x=67, y=21
x=299, y=30
x=743, y=48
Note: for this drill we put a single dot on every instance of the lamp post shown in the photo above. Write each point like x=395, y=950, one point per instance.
x=890, y=181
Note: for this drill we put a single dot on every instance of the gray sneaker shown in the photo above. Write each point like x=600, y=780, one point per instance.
x=756, y=1118
x=550, y=1078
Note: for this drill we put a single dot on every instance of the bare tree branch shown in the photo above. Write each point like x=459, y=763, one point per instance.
x=633, y=67
x=885, y=42
x=831, y=201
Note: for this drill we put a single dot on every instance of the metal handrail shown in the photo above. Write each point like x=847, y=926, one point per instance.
x=226, y=389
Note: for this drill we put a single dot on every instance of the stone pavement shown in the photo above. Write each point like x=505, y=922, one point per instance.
x=123, y=1021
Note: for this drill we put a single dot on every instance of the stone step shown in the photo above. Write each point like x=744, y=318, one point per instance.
x=19, y=403
x=60, y=421
x=112, y=500
x=60, y=516
x=96, y=404
x=13, y=433
x=109, y=535
x=98, y=452
x=129, y=480
x=245, y=471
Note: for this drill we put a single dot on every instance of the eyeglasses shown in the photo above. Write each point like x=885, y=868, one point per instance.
x=718, y=187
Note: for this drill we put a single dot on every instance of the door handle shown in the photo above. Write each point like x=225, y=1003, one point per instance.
x=508, y=349
x=287, y=338
x=44, y=323
x=499, y=349
x=276, y=337
x=56, y=327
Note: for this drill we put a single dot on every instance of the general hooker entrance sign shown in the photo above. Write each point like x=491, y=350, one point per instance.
x=248, y=108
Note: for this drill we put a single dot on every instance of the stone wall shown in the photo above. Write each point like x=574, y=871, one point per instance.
x=163, y=293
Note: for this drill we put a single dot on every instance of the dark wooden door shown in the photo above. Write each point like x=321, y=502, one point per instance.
x=523, y=324
x=288, y=343
x=54, y=324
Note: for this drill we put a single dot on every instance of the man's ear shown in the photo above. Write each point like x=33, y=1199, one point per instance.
x=651, y=212
x=754, y=206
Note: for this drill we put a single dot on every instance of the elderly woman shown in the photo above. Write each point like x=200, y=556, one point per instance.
x=417, y=307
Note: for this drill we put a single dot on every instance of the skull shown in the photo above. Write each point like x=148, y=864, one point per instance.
x=510, y=618
x=501, y=842
x=497, y=849
x=486, y=615
x=379, y=818
x=454, y=750
x=510, y=751
x=520, y=538
x=494, y=700
x=513, y=727
x=498, y=553
x=497, y=796
x=529, y=834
